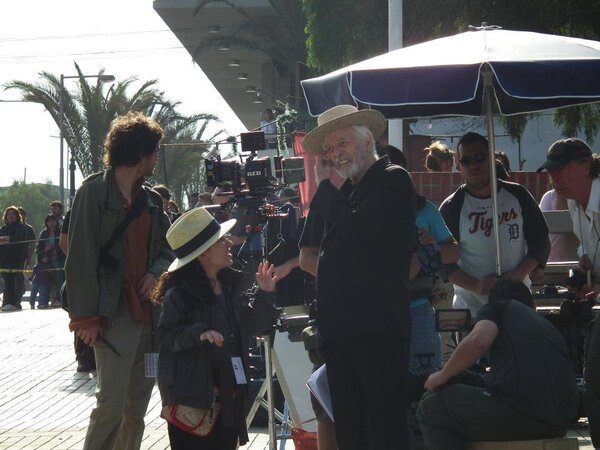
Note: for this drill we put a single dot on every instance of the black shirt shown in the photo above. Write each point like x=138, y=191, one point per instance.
x=368, y=238
x=530, y=365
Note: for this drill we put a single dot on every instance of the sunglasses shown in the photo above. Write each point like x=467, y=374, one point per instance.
x=477, y=158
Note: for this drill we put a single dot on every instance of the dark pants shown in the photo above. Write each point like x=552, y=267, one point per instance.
x=44, y=291
x=592, y=384
x=458, y=414
x=10, y=294
x=368, y=383
x=219, y=439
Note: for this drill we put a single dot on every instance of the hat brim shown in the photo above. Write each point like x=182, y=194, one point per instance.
x=178, y=263
x=374, y=120
x=553, y=164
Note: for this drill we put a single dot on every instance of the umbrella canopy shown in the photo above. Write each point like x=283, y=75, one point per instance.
x=445, y=77
x=461, y=75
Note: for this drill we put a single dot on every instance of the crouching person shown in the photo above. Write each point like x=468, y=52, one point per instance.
x=529, y=393
x=203, y=334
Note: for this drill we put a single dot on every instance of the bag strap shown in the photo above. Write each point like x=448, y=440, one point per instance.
x=305, y=421
x=137, y=207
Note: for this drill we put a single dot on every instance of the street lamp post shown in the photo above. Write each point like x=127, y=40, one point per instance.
x=61, y=125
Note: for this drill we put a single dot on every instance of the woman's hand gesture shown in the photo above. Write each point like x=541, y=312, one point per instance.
x=213, y=337
x=265, y=277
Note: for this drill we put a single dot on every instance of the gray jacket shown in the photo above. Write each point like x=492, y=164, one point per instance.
x=96, y=212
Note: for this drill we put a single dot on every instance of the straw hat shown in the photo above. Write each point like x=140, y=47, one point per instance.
x=342, y=116
x=194, y=233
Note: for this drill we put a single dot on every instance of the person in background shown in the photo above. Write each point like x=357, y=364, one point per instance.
x=575, y=173
x=553, y=201
x=41, y=282
x=47, y=245
x=269, y=127
x=31, y=237
x=13, y=253
x=193, y=200
x=205, y=199
x=57, y=210
x=467, y=212
x=165, y=194
x=207, y=319
x=436, y=247
x=58, y=262
x=438, y=158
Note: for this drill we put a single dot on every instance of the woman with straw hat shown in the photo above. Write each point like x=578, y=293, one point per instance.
x=203, y=334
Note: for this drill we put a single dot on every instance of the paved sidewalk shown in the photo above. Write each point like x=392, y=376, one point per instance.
x=44, y=403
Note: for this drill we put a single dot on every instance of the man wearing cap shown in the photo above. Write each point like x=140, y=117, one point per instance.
x=575, y=173
x=368, y=239
x=524, y=241
x=117, y=251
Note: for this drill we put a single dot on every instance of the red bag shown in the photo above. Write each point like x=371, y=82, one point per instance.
x=304, y=440
x=197, y=421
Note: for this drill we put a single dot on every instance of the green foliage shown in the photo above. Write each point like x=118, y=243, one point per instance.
x=579, y=119
x=344, y=31
x=35, y=198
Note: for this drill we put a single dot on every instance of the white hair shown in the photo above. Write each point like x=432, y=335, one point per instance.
x=364, y=134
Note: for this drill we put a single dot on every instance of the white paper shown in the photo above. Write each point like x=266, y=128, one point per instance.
x=238, y=370
x=318, y=383
x=151, y=365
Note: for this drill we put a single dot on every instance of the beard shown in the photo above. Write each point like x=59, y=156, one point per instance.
x=348, y=170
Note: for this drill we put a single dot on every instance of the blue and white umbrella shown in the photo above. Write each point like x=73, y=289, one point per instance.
x=464, y=75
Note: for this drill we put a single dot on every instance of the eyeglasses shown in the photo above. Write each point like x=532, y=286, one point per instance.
x=476, y=158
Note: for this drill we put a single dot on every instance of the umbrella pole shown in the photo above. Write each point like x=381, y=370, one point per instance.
x=489, y=113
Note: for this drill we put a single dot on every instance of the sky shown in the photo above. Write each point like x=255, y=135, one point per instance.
x=125, y=37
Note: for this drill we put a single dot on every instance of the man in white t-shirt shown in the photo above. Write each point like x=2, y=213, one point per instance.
x=524, y=243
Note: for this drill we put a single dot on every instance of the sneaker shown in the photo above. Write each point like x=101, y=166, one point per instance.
x=9, y=307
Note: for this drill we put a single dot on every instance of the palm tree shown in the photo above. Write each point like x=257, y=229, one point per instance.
x=88, y=112
x=185, y=145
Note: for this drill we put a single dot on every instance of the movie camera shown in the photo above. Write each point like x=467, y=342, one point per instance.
x=256, y=172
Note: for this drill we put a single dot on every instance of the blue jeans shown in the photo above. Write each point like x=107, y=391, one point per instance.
x=425, y=347
x=43, y=290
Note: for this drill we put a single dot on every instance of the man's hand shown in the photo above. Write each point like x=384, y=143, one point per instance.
x=283, y=270
x=323, y=169
x=145, y=286
x=436, y=380
x=212, y=336
x=266, y=278
x=4, y=240
x=90, y=334
x=485, y=284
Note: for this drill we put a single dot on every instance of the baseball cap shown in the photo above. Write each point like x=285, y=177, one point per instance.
x=563, y=151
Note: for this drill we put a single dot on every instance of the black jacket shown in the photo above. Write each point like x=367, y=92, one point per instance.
x=185, y=364
x=369, y=238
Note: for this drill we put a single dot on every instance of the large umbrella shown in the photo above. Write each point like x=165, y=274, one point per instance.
x=463, y=75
